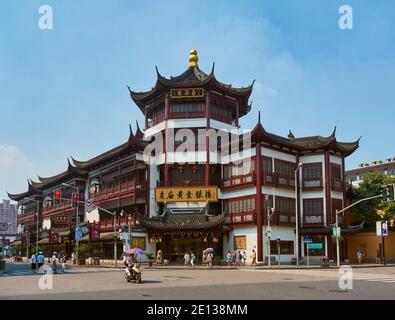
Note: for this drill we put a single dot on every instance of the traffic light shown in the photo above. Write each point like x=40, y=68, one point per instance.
x=58, y=197
x=75, y=199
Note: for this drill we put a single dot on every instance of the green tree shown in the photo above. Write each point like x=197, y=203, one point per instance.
x=375, y=209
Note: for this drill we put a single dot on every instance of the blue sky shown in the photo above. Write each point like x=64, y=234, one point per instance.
x=63, y=91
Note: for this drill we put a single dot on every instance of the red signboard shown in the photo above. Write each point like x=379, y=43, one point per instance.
x=61, y=220
x=94, y=232
x=6, y=242
x=54, y=237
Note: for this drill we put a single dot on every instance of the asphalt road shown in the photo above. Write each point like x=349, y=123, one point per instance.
x=188, y=284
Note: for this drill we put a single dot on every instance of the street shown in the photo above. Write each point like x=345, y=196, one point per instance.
x=187, y=284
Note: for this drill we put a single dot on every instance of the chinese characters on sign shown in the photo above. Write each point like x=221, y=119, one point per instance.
x=191, y=194
x=187, y=93
x=94, y=233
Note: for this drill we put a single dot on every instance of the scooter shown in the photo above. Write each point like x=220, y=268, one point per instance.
x=133, y=273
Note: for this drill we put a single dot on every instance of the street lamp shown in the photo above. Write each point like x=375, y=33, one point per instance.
x=37, y=210
x=297, y=213
x=77, y=221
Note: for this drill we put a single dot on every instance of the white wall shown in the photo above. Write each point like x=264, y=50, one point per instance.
x=278, y=155
x=285, y=234
x=251, y=239
x=237, y=193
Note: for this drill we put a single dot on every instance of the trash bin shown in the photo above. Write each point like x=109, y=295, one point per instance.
x=2, y=264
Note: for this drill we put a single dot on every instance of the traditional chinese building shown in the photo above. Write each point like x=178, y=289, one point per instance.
x=185, y=193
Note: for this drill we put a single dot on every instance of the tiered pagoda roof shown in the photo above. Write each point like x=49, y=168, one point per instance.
x=191, y=78
x=304, y=144
x=80, y=168
x=135, y=143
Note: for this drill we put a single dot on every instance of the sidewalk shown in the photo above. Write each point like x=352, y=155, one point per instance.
x=120, y=265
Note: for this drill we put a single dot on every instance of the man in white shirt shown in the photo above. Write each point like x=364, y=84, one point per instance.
x=53, y=262
x=33, y=262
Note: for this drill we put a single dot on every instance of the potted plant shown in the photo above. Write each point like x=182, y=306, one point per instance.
x=83, y=250
x=150, y=256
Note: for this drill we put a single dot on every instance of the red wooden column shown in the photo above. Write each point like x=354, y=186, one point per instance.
x=258, y=201
x=327, y=189
x=166, y=142
x=207, y=166
x=297, y=209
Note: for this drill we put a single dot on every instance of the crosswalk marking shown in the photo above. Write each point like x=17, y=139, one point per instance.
x=371, y=277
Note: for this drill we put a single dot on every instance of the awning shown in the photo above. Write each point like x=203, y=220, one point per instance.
x=107, y=236
x=44, y=241
x=16, y=243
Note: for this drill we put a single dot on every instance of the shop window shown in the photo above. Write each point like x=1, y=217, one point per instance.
x=286, y=247
x=138, y=242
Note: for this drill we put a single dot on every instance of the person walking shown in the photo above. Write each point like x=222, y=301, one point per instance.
x=239, y=258
x=193, y=257
x=186, y=259
x=73, y=257
x=64, y=265
x=360, y=255
x=40, y=261
x=244, y=258
x=53, y=262
x=33, y=262
x=253, y=257
x=234, y=258
x=210, y=259
x=228, y=258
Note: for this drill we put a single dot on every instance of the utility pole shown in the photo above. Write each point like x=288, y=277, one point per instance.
x=115, y=238
x=269, y=231
x=129, y=230
x=297, y=213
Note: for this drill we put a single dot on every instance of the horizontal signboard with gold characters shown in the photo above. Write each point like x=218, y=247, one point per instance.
x=186, y=194
x=187, y=93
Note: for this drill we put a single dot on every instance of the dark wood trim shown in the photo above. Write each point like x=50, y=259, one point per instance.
x=258, y=201
x=207, y=166
x=327, y=188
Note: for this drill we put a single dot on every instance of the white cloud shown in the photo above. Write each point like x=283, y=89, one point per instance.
x=15, y=168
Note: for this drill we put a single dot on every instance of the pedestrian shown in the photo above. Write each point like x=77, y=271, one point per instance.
x=34, y=262
x=228, y=258
x=234, y=258
x=64, y=265
x=253, y=257
x=40, y=261
x=244, y=258
x=210, y=259
x=186, y=259
x=73, y=257
x=239, y=258
x=193, y=257
x=360, y=255
x=378, y=256
x=53, y=262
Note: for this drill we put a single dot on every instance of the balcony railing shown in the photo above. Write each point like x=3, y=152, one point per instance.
x=155, y=120
x=221, y=117
x=181, y=183
x=337, y=185
x=243, y=217
x=64, y=205
x=285, y=181
x=312, y=183
x=313, y=219
x=284, y=218
x=114, y=190
x=107, y=224
x=187, y=115
x=238, y=181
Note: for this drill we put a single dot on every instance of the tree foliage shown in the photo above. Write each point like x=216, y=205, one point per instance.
x=375, y=209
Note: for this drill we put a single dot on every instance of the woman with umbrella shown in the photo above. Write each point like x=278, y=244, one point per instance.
x=209, y=252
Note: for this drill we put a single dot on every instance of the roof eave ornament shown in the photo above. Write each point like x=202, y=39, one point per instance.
x=193, y=59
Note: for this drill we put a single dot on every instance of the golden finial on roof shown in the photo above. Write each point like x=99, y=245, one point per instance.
x=193, y=58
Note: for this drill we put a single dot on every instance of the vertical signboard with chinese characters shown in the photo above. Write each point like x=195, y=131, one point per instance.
x=381, y=228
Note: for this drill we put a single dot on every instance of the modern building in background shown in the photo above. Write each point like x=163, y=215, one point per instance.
x=8, y=215
x=355, y=176
x=197, y=198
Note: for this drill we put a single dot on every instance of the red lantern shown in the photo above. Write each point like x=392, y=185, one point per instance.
x=180, y=169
